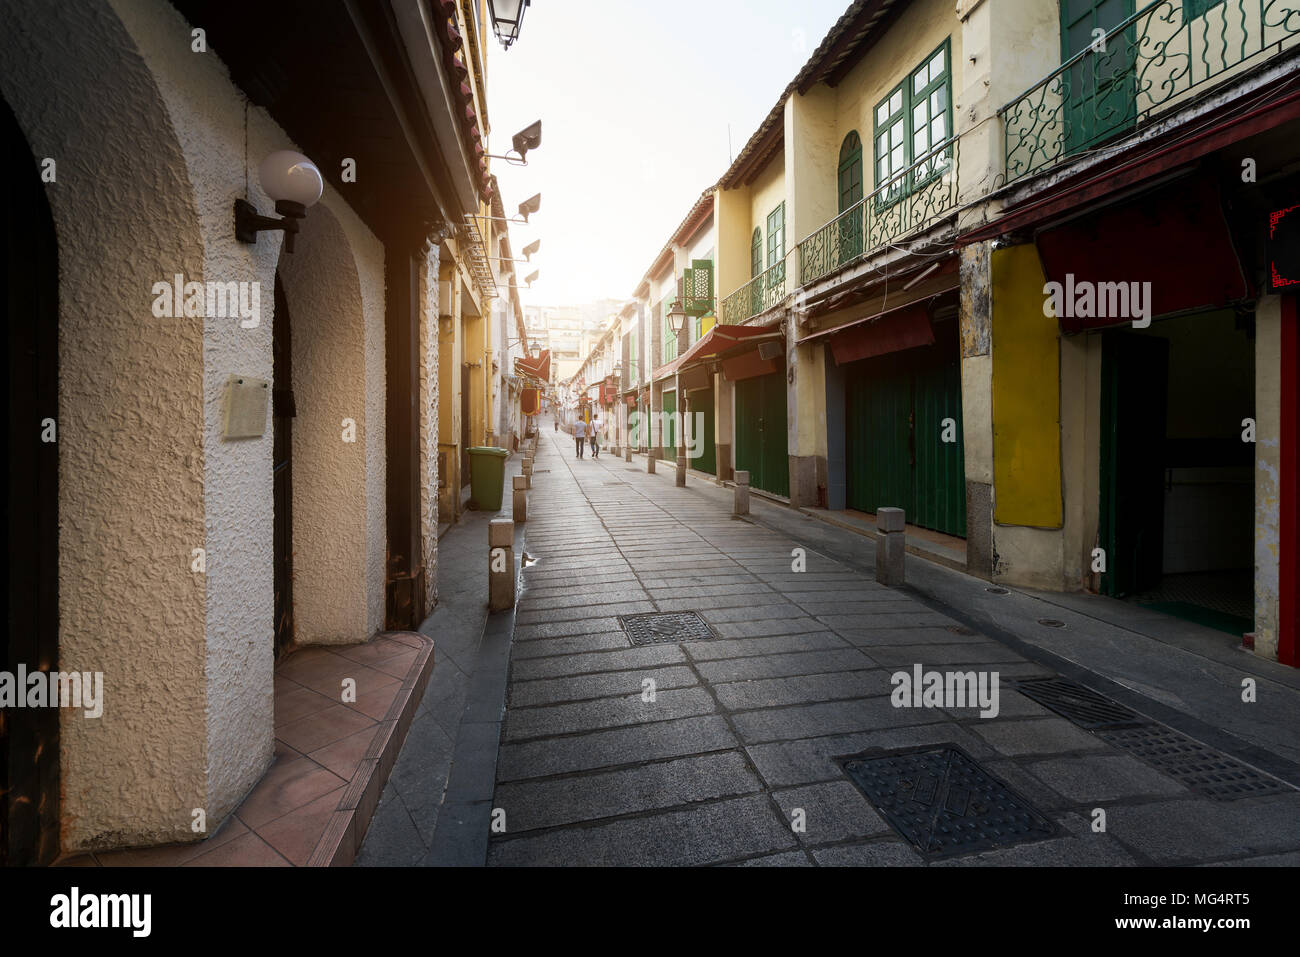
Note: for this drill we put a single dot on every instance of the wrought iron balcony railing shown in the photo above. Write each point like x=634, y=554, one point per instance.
x=762, y=292
x=1150, y=62
x=911, y=200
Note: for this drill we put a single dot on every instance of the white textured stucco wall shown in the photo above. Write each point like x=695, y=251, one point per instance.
x=333, y=288
x=131, y=454
x=208, y=114
x=149, y=140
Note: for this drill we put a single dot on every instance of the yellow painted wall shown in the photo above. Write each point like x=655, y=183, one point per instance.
x=766, y=193
x=1026, y=394
x=921, y=28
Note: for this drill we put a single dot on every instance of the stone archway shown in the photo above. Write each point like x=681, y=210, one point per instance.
x=130, y=422
x=337, y=336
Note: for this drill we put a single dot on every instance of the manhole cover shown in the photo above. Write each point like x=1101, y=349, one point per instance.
x=997, y=591
x=1196, y=765
x=944, y=803
x=658, y=628
x=958, y=629
x=541, y=471
x=1083, y=706
x=1051, y=622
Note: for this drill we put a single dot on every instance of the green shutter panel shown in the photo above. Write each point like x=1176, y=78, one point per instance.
x=698, y=288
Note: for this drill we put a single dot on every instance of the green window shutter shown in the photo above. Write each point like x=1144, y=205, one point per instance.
x=698, y=288
x=756, y=253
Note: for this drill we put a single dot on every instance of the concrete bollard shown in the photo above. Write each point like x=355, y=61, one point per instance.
x=650, y=462
x=742, y=493
x=627, y=453
x=681, y=471
x=501, y=564
x=520, y=511
x=891, y=546
x=527, y=470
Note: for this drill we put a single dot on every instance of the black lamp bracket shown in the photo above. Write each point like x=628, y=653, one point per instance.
x=248, y=222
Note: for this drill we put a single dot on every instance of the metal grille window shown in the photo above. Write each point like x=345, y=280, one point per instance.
x=915, y=118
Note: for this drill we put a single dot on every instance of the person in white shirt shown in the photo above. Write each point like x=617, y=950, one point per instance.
x=580, y=434
x=595, y=430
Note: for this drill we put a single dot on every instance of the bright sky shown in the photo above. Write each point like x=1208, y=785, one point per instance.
x=635, y=98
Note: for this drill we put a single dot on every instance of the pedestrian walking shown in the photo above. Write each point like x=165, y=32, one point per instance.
x=596, y=426
x=580, y=434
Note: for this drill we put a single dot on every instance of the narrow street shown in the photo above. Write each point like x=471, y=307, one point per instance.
x=732, y=758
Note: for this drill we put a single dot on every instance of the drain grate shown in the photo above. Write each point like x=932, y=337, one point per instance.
x=660, y=628
x=1083, y=706
x=1186, y=760
x=1196, y=765
x=944, y=803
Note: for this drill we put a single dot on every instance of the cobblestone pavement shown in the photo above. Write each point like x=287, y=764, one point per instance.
x=736, y=750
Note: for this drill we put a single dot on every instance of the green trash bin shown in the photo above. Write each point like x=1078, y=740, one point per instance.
x=487, y=475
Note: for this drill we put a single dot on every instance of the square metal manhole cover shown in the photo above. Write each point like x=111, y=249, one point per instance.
x=1200, y=767
x=944, y=803
x=1085, y=707
x=660, y=628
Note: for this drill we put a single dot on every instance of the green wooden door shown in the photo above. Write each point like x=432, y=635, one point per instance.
x=701, y=412
x=900, y=412
x=761, y=444
x=1134, y=396
x=1098, y=90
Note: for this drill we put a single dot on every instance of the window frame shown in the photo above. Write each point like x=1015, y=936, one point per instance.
x=756, y=253
x=910, y=100
x=776, y=250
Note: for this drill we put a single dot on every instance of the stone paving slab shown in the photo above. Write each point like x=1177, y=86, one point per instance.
x=597, y=749
x=735, y=761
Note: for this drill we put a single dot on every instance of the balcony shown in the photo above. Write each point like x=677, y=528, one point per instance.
x=1156, y=59
x=759, y=294
x=910, y=201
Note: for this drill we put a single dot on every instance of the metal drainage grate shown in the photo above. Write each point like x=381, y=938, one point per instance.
x=944, y=803
x=659, y=628
x=1196, y=765
x=1083, y=706
x=997, y=591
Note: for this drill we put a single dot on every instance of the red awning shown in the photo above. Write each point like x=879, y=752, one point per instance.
x=904, y=327
x=1176, y=239
x=537, y=367
x=716, y=342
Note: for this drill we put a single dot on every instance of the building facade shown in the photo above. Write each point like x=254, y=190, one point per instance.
x=239, y=438
x=1019, y=267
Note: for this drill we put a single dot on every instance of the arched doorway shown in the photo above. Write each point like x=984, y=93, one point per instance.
x=29, y=737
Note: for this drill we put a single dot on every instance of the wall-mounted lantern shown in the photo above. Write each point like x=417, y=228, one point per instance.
x=294, y=182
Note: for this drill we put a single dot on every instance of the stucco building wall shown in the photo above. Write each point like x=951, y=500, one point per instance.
x=149, y=139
